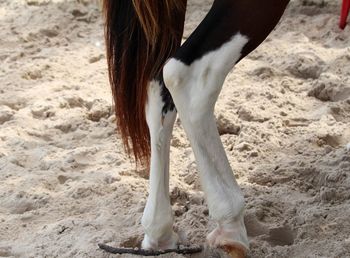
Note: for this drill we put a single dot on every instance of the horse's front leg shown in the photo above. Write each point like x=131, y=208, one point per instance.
x=157, y=218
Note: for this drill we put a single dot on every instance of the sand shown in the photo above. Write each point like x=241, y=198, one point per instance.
x=67, y=185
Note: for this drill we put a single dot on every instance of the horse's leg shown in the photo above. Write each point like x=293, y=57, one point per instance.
x=157, y=218
x=194, y=78
x=195, y=89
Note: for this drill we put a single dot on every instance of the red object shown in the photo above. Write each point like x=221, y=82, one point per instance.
x=344, y=13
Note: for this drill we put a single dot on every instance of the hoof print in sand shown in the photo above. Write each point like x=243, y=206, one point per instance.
x=281, y=236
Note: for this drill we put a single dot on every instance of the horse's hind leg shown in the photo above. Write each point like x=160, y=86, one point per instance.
x=195, y=89
x=157, y=218
x=194, y=78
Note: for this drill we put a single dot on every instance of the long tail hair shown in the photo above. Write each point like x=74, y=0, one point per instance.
x=140, y=36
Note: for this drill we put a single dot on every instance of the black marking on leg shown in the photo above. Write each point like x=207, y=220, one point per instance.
x=142, y=252
x=167, y=99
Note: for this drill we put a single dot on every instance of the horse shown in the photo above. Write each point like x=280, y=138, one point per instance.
x=154, y=77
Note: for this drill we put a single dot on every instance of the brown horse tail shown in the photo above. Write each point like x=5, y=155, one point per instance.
x=140, y=36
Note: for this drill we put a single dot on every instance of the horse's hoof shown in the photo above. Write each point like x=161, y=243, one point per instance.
x=235, y=251
x=231, y=238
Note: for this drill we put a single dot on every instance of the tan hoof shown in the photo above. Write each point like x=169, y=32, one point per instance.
x=234, y=251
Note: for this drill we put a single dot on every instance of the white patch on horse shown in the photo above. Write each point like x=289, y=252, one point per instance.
x=195, y=89
x=157, y=219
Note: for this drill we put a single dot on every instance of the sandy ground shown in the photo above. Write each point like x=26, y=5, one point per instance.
x=283, y=115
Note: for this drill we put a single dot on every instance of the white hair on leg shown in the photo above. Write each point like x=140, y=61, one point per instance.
x=157, y=218
x=195, y=89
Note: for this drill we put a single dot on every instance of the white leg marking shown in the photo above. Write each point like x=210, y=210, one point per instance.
x=157, y=219
x=195, y=90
